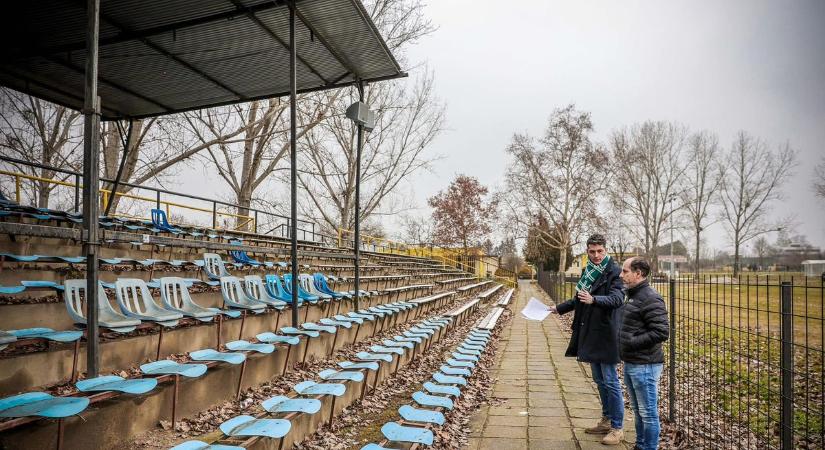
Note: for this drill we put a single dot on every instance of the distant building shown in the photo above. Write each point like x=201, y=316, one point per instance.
x=680, y=262
x=813, y=267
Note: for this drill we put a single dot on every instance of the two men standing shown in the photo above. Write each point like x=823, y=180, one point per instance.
x=610, y=324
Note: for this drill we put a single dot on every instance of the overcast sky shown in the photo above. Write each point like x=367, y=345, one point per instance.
x=501, y=67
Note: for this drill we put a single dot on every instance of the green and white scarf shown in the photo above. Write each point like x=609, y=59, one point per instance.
x=591, y=273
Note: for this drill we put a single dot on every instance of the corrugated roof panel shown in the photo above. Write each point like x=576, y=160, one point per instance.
x=162, y=56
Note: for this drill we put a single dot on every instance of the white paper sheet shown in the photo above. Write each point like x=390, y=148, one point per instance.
x=535, y=310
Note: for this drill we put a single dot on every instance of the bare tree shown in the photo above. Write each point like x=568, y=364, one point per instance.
x=407, y=121
x=462, y=213
x=416, y=230
x=559, y=178
x=753, y=180
x=762, y=248
x=700, y=185
x=37, y=131
x=647, y=160
x=819, y=178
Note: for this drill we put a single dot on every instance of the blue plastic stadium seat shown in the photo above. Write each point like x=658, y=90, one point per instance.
x=466, y=364
x=414, y=339
x=295, y=331
x=435, y=401
x=399, y=433
x=250, y=426
x=160, y=222
x=310, y=387
x=282, y=404
x=447, y=379
x=272, y=338
x=343, y=318
x=116, y=383
x=335, y=323
x=402, y=344
x=169, y=367
x=11, y=290
x=198, y=445
x=302, y=294
x=387, y=350
x=332, y=374
x=440, y=389
x=240, y=256
x=461, y=357
x=47, y=333
x=315, y=327
x=276, y=290
x=376, y=447
x=41, y=404
x=246, y=346
x=447, y=370
x=364, y=356
x=209, y=354
x=412, y=414
x=368, y=365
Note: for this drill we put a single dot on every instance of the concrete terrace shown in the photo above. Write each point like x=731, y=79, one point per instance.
x=541, y=399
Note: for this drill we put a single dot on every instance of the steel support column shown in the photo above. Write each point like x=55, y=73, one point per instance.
x=356, y=243
x=293, y=167
x=116, y=184
x=91, y=163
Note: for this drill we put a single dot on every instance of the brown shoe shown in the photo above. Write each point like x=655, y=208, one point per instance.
x=601, y=428
x=613, y=437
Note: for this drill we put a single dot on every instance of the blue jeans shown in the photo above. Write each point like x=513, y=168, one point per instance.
x=642, y=381
x=610, y=392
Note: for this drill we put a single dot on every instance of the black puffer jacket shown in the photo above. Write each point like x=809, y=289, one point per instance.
x=644, y=326
x=595, y=334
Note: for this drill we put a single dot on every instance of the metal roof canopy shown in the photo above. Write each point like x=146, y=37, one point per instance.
x=165, y=56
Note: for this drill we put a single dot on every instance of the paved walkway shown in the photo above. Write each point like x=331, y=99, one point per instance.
x=548, y=399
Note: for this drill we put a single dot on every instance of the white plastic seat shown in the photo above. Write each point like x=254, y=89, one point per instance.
x=255, y=289
x=175, y=297
x=235, y=297
x=107, y=317
x=213, y=266
x=136, y=301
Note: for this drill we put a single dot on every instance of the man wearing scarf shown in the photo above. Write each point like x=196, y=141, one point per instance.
x=595, y=333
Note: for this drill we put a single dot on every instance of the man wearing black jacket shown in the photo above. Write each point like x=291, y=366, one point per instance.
x=595, y=333
x=644, y=328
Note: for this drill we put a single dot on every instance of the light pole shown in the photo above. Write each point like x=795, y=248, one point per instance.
x=672, y=262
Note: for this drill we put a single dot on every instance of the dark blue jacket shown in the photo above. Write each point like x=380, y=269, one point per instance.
x=595, y=333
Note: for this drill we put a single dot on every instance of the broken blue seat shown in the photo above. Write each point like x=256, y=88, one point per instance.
x=213, y=266
x=198, y=445
x=466, y=364
x=462, y=357
x=366, y=365
x=343, y=318
x=302, y=294
x=399, y=433
x=235, y=297
x=315, y=327
x=410, y=339
x=246, y=346
x=335, y=323
x=160, y=222
x=136, y=301
x=364, y=356
x=48, y=334
x=441, y=389
x=40, y=284
x=332, y=374
x=276, y=290
x=169, y=367
x=376, y=447
x=11, y=290
x=295, y=331
x=175, y=297
x=310, y=387
x=74, y=296
x=116, y=383
x=434, y=401
x=440, y=378
x=272, y=338
x=393, y=343
x=255, y=289
x=447, y=370
x=466, y=351
x=250, y=426
x=387, y=350
x=412, y=414
x=282, y=404
x=41, y=404
x=210, y=354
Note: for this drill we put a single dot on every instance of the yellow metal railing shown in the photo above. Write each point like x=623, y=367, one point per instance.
x=447, y=256
x=106, y=193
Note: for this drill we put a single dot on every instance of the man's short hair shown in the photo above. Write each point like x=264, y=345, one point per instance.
x=640, y=264
x=597, y=239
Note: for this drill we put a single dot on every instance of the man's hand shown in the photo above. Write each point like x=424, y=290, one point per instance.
x=585, y=297
x=552, y=310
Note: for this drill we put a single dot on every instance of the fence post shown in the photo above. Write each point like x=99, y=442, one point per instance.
x=157, y=201
x=77, y=193
x=214, y=216
x=787, y=365
x=671, y=413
